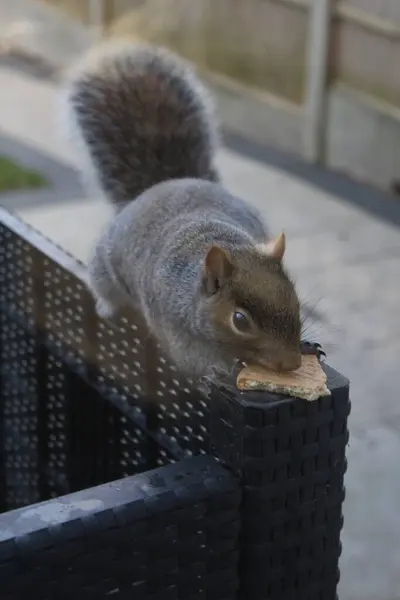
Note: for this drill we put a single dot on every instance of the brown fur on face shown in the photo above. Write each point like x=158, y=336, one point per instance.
x=255, y=281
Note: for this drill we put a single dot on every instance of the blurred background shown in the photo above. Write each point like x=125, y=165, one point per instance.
x=308, y=94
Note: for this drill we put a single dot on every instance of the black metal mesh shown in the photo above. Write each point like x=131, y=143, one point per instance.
x=84, y=402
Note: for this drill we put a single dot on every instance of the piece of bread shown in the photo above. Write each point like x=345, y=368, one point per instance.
x=308, y=382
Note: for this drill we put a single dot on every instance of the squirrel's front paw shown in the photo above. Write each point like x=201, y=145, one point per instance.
x=104, y=309
x=221, y=375
x=312, y=348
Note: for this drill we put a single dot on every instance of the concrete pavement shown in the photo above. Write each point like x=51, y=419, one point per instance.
x=346, y=263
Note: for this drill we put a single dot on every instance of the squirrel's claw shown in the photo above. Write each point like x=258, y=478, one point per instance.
x=312, y=348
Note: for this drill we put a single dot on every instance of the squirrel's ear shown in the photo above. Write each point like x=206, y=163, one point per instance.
x=217, y=269
x=276, y=247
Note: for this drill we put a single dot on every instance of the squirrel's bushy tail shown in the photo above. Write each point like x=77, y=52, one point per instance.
x=139, y=116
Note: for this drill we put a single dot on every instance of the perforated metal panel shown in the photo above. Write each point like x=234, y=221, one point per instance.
x=70, y=379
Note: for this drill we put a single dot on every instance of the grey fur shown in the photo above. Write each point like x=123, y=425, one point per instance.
x=152, y=255
x=139, y=116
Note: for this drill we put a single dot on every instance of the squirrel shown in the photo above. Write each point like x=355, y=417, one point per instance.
x=196, y=261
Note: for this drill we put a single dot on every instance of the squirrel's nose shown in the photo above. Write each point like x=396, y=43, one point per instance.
x=286, y=364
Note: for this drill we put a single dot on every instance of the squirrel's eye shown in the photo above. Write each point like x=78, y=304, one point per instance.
x=241, y=322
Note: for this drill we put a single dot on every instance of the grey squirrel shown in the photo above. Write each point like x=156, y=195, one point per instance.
x=194, y=259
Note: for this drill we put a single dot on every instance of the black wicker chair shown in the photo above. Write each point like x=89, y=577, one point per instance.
x=117, y=480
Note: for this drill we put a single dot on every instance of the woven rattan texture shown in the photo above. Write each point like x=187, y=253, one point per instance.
x=168, y=534
x=85, y=401
x=291, y=463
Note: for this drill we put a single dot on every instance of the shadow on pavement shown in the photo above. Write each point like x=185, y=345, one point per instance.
x=27, y=65
x=64, y=181
x=378, y=203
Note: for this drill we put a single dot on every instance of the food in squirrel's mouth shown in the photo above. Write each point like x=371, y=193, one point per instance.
x=307, y=382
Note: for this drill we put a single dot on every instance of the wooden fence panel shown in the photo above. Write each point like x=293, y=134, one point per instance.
x=258, y=42
x=367, y=54
x=385, y=9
